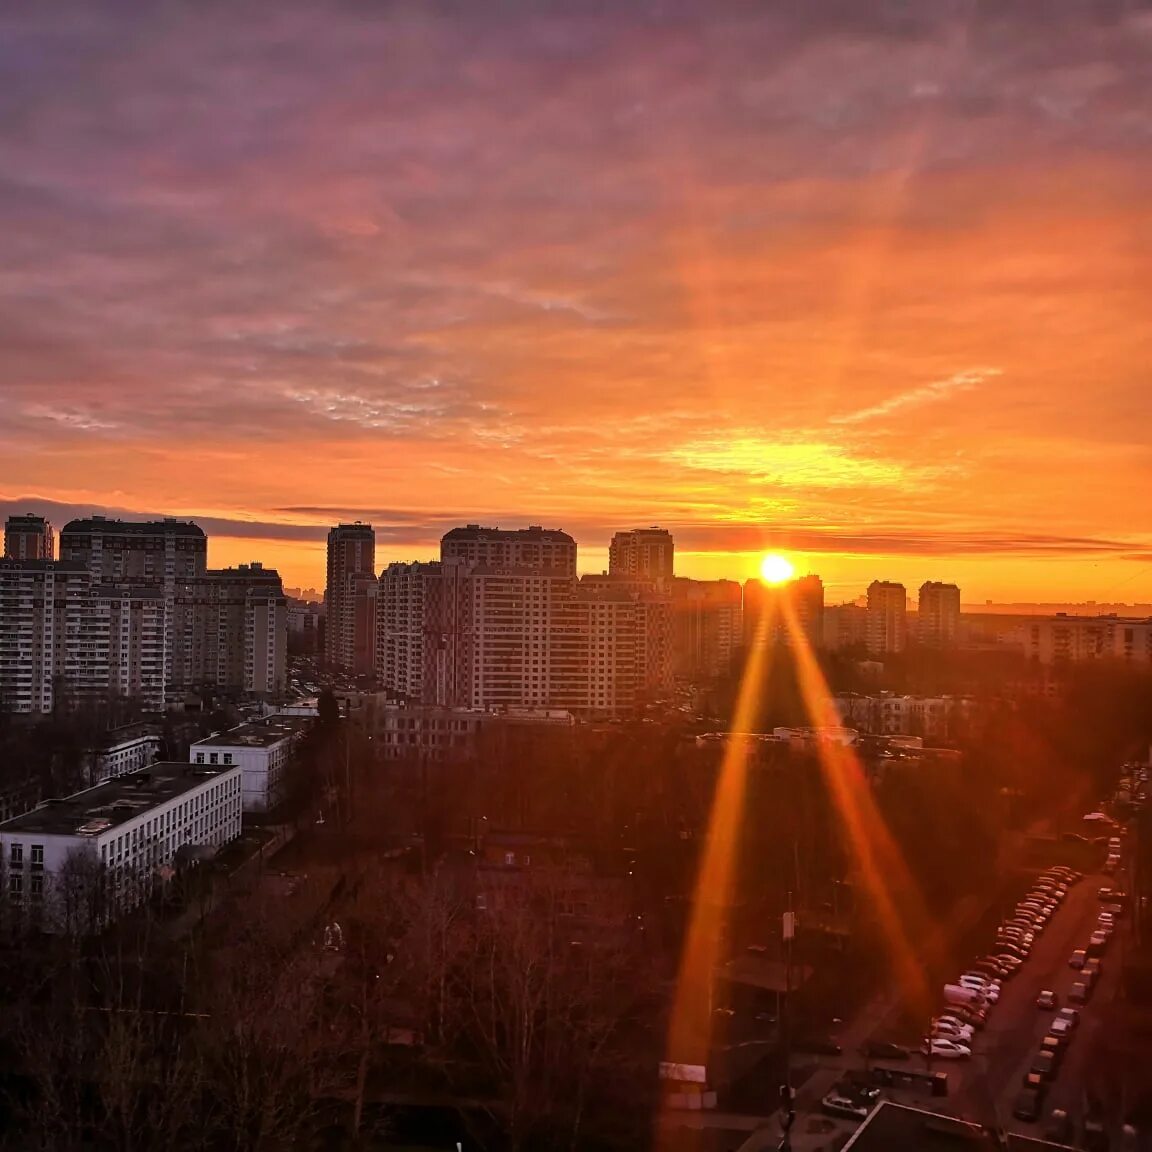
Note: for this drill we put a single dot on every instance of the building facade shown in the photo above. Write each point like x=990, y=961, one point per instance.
x=122, y=751
x=845, y=626
x=1063, y=639
x=351, y=554
x=140, y=552
x=771, y=611
x=534, y=548
x=938, y=615
x=643, y=554
x=707, y=627
x=263, y=750
x=887, y=621
x=80, y=863
x=29, y=537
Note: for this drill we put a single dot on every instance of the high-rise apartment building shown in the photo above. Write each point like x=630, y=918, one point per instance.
x=29, y=538
x=50, y=634
x=845, y=626
x=887, y=625
x=535, y=548
x=229, y=633
x=141, y=552
x=134, y=613
x=938, y=616
x=643, y=553
x=706, y=626
x=501, y=622
x=351, y=554
x=772, y=611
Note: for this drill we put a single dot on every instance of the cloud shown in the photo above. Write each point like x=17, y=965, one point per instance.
x=917, y=397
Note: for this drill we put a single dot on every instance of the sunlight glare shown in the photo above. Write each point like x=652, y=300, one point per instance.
x=776, y=569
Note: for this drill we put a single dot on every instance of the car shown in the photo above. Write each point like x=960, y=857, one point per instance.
x=977, y=1017
x=1046, y=1000
x=818, y=1046
x=1097, y=942
x=1104, y=894
x=1060, y=1027
x=1057, y=1045
x=1043, y=1065
x=1093, y=967
x=990, y=989
x=1011, y=964
x=885, y=1050
x=1076, y=960
x=1106, y=918
x=839, y=1103
x=953, y=1031
x=1027, y=1104
x=1058, y=1127
x=1072, y=1015
x=1013, y=948
x=945, y=1049
x=1079, y=992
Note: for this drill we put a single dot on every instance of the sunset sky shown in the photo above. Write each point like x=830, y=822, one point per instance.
x=871, y=288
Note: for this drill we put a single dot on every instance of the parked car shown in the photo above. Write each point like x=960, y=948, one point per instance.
x=1097, y=942
x=946, y=1049
x=885, y=1050
x=1043, y=1065
x=1046, y=1000
x=1076, y=960
x=1060, y=1028
x=1093, y=967
x=839, y=1103
x=1079, y=993
x=953, y=1030
x=1027, y=1105
x=1072, y=1015
x=1058, y=1127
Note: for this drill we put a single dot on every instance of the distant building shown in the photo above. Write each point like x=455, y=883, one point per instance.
x=121, y=751
x=534, y=548
x=707, y=627
x=150, y=551
x=769, y=609
x=938, y=615
x=887, y=621
x=886, y=714
x=81, y=862
x=29, y=538
x=644, y=554
x=351, y=554
x=304, y=619
x=263, y=749
x=1062, y=639
x=845, y=626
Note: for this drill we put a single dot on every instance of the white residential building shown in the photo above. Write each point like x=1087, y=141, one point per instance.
x=123, y=750
x=1063, y=639
x=263, y=749
x=80, y=862
x=885, y=714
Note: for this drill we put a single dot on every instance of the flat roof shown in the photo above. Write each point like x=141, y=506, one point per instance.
x=257, y=733
x=96, y=810
x=898, y=1128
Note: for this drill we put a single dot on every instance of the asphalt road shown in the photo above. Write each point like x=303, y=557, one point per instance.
x=986, y=1087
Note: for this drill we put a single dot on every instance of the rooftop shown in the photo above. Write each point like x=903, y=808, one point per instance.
x=134, y=527
x=257, y=734
x=898, y=1128
x=96, y=810
x=532, y=532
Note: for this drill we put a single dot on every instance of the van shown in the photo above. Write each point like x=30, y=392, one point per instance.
x=966, y=997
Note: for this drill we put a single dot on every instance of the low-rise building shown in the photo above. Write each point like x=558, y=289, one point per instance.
x=885, y=714
x=78, y=863
x=122, y=750
x=262, y=748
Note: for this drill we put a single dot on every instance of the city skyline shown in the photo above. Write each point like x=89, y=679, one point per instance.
x=863, y=286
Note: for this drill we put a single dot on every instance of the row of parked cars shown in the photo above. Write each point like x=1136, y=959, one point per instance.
x=1047, y=1060
x=969, y=999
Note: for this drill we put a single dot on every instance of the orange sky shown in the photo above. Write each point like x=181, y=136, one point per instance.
x=872, y=289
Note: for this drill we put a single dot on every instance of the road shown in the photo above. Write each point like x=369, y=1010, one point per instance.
x=986, y=1087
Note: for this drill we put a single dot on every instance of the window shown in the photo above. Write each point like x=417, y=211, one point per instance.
x=16, y=858
x=509, y=858
x=213, y=758
x=16, y=885
x=227, y=757
x=37, y=885
x=37, y=855
x=199, y=757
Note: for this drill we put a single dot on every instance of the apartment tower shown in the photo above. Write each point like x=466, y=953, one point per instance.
x=29, y=538
x=938, y=618
x=351, y=554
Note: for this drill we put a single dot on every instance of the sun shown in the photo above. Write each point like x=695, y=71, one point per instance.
x=776, y=569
